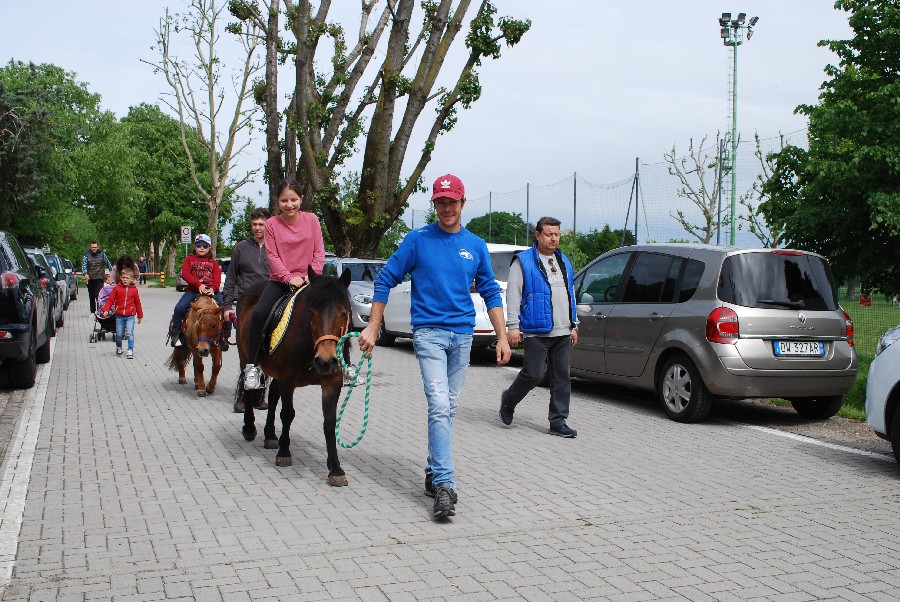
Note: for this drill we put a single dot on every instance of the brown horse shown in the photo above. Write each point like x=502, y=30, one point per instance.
x=203, y=327
x=307, y=355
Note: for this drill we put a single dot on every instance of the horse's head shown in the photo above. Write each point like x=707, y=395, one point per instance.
x=329, y=317
x=207, y=324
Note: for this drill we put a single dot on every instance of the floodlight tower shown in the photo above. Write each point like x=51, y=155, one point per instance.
x=732, y=32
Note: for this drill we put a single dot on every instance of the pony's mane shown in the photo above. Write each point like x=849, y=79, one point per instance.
x=325, y=290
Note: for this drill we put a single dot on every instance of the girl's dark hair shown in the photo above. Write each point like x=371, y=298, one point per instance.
x=125, y=261
x=291, y=183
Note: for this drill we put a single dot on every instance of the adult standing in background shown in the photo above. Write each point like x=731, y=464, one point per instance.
x=144, y=267
x=249, y=267
x=94, y=265
x=540, y=302
x=444, y=259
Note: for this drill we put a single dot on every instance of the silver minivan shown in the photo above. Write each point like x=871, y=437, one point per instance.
x=692, y=322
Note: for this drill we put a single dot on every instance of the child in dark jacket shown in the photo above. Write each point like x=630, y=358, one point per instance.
x=127, y=302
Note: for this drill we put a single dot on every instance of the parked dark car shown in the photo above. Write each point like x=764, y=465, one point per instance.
x=62, y=279
x=72, y=277
x=25, y=315
x=59, y=318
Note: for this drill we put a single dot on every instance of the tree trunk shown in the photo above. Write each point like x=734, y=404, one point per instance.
x=170, y=260
x=273, y=122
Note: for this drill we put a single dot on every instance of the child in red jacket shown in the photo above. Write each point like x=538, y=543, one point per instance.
x=203, y=276
x=127, y=302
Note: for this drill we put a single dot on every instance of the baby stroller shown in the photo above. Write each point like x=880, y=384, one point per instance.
x=104, y=323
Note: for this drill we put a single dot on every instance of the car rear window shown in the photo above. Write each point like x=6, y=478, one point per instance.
x=776, y=280
x=500, y=262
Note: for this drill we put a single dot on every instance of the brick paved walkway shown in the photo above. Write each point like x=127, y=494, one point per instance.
x=140, y=490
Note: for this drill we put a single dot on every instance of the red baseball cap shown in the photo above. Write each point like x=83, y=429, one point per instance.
x=448, y=186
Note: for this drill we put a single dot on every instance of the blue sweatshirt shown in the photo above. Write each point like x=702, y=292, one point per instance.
x=443, y=267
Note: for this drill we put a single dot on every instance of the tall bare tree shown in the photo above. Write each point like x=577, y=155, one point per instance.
x=698, y=182
x=209, y=98
x=330, y=101
x=770, y=235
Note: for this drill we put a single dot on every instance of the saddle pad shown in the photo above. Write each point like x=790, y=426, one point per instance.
x=281, y=317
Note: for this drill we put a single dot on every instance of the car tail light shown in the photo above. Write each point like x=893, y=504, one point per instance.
x=722, y=326
x=9, y=280
x=44, y=282
x=848, y=328
x=786, y=252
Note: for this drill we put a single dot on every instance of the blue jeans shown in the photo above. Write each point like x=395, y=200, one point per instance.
x=184, y=304
x=443, y=358
x=125, y=328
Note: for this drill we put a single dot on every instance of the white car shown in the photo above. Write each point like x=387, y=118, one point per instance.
x=396, y=321
x=883, y=390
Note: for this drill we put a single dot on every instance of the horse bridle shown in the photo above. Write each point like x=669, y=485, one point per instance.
x=331, y=337
x=214, y=343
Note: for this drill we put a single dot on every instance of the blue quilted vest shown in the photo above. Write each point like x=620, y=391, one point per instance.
x=536, y=309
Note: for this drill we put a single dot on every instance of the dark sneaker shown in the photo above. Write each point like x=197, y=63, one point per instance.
x=563, y=430
x=444, y=501
x=506, y=412
x=429, y=485
x=119, y=352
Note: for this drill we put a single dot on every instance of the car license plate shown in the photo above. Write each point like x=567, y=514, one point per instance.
x=799, y=348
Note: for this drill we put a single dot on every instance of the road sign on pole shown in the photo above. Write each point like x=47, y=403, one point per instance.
x=186, y=234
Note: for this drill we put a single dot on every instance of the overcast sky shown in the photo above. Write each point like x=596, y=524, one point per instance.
x=593, y=85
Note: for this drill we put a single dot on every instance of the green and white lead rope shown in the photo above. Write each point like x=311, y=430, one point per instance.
x=365, y=425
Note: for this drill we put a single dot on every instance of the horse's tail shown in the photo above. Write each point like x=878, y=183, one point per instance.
x=179, y=358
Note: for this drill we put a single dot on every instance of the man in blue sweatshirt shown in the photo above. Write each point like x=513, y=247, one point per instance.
x=444, y=260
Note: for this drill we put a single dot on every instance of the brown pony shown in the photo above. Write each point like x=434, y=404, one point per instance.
x=307, y=355
x=203, y=326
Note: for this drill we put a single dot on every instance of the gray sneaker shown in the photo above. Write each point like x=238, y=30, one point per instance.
x=252, y=377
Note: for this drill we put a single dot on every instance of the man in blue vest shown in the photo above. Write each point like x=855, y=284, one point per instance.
x=540, y=304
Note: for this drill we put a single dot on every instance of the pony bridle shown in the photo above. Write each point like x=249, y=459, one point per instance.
x=213, y=342
x=331, y=337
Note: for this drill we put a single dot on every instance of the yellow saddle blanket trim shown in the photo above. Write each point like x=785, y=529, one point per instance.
x=285, y=319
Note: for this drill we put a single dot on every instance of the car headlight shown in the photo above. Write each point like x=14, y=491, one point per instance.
x=363, y=298
x=887, y=339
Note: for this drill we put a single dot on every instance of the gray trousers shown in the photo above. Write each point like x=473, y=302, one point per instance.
x=544, y=353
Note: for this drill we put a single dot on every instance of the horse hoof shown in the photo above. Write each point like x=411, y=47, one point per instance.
x=210, y=391
x=283, y=461
x=201, y=393
x=337, y=481
x=249, y=435
x=239, y=407
x=182, y=381
x=271, y=444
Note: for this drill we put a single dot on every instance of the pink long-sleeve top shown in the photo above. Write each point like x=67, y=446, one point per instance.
x=293, y=247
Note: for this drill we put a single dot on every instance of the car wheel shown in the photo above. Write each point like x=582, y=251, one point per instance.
x=384, y=339
x=51, y=327
x=895, y=435
x=62, y=320
x=22, y=373
x=682, y=392
x=43, y=353
x=819, y=408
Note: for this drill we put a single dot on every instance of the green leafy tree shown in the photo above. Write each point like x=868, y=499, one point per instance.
x=597, y=242
x=841, y=197
x=163, y=196
x=46, y=118
x=332, y=95
x=501, y=227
